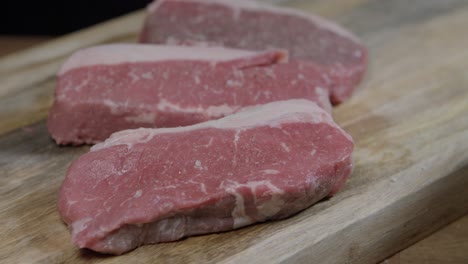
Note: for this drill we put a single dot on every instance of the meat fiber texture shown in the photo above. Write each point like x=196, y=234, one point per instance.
x=147, y=186
x=260, y=26
x=109, y=88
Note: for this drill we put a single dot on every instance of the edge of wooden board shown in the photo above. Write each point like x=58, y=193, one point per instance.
x=434, y=204
x=43, y=60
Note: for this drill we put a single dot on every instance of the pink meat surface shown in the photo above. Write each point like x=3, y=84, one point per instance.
x=106, y=89
x=254, y=26
x=147, y=186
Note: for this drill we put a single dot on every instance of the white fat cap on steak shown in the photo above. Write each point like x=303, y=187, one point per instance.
x=133, y=53
x=256, y=6
x=272, y=114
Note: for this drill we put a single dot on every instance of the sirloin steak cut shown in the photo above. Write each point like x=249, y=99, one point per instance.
x=147, y=186
x=109, y=88
x=259, y=26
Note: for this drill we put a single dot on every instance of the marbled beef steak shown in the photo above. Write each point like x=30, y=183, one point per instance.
x=109, y=88
x=259, y=26
x=147, y=186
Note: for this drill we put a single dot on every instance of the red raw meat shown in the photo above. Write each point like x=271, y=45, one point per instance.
x=260, y=26
x=109, y=88
x=146, y=186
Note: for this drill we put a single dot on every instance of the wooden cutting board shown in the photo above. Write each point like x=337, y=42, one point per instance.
x=409, y=120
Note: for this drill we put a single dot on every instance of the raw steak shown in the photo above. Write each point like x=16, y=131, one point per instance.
x=255, y=26
x=106, y=89
x=147, y=186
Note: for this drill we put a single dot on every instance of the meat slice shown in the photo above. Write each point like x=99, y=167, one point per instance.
x=147, y=186
x=250, y=25
x=106, y=89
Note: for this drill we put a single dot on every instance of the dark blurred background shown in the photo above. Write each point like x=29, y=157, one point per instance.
x=53, y=17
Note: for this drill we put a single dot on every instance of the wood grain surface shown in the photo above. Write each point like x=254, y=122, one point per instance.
x=449, y=245
x=9, y=44
x=409, y=120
